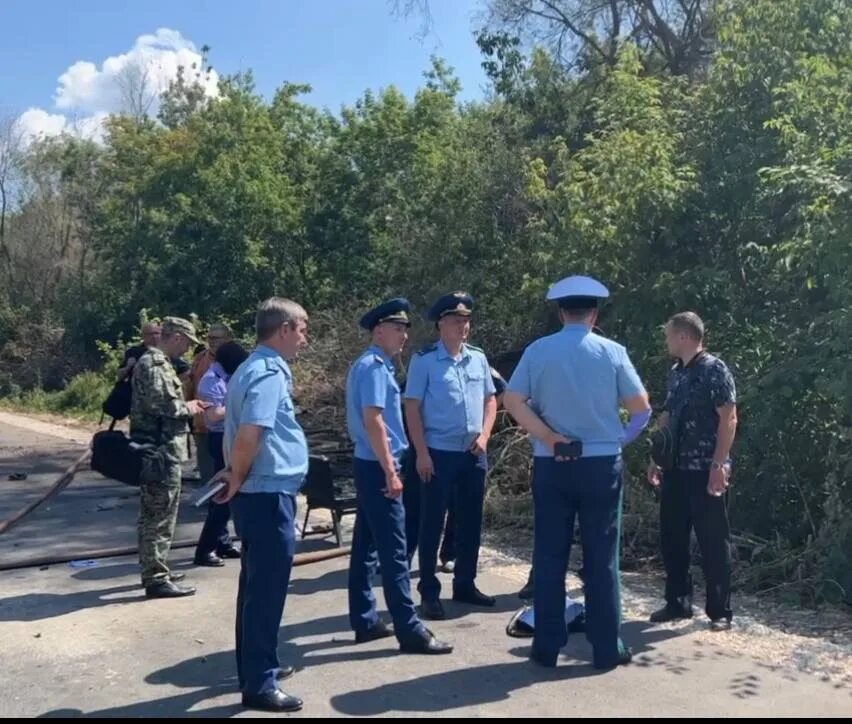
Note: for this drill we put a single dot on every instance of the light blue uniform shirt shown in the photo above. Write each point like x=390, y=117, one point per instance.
x=452, y=393
x=213, y=388
x=574, y=381
x=371, y=383
x=259, y=393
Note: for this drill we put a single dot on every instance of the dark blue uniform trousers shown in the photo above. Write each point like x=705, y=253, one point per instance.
x=214, y=536
x=589, y=489
x=411, y=496
x=379, y=529
x=265, y=523
x=459, y=478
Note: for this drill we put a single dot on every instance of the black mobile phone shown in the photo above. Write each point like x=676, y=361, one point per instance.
x=573, y=449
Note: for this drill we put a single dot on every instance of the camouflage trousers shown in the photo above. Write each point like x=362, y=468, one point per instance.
x=159, y=498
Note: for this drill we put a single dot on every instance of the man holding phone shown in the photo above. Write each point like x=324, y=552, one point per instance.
x=567, y=391
x=450, y=407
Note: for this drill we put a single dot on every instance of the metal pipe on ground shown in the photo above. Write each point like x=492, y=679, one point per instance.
x=62, y=482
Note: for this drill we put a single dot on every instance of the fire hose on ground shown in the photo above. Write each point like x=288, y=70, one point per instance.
x=63, y=481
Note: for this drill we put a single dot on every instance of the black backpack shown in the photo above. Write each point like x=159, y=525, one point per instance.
x=117, y=404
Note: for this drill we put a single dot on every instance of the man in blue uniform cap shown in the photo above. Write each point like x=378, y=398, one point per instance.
x=450, y=406
x=566, y=392
x=374, y=419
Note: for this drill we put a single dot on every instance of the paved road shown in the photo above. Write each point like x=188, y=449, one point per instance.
x=87, y=642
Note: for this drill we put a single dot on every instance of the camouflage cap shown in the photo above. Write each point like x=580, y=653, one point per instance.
x=178, y=324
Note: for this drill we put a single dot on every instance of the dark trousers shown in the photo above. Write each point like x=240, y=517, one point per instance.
x=214, y=536
x=685, y=504
x=379, y=530
x=459, y=481
x=265, y=523
x=411, y=496
x=589, y=489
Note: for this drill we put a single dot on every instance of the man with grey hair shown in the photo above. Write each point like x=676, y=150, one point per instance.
x=267, y=457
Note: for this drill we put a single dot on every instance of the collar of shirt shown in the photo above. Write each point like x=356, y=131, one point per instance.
x=444, y=353
x=576, y=328
x=269, y=353
x=699, y=356
x=217, y=370
x=375, y=349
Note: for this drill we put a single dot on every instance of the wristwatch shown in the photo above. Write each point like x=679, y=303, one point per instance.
x=717, y=466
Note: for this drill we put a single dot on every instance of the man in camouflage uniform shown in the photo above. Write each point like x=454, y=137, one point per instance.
x=701, y=412
x=158, y=419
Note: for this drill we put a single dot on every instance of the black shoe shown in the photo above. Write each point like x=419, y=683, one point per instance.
x=167, y=589
x=474, y=597
x=578, y=625
x=176, y=577
x=425, y=643
x=720, y=624
x=211, y=560
x=433, y=610
x=379, y=631
x=546, y=660
x=229, y=553
x=275, y=700
x=672, y=612
x=625, y=656
x=448, y=566
x=285, y=672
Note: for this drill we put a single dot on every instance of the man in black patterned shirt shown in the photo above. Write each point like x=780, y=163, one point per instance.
x=701, y=412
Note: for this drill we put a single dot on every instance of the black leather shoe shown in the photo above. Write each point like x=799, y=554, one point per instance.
x=548, y=661
x=474, y=597
x=211, y=560
x=229, y=553
x=578, y=625
x=285, y=672
x=176, y=577
x=433, y=610
x=275, y=700
x=425, y=643
x=379, y=631
x=625, y=656
x=672, y=612
x=167, y=589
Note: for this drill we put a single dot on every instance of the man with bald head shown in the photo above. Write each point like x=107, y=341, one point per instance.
x=151, y=333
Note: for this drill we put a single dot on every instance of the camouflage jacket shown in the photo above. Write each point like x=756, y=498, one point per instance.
x=158, y=413
x=694, y=392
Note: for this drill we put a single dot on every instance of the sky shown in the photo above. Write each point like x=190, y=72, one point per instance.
x=62, y=60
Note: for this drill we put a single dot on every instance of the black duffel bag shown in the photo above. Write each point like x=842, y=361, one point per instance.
x=115, y=456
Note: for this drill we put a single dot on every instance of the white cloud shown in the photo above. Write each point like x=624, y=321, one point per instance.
x=35, y=122
x=87, y=94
